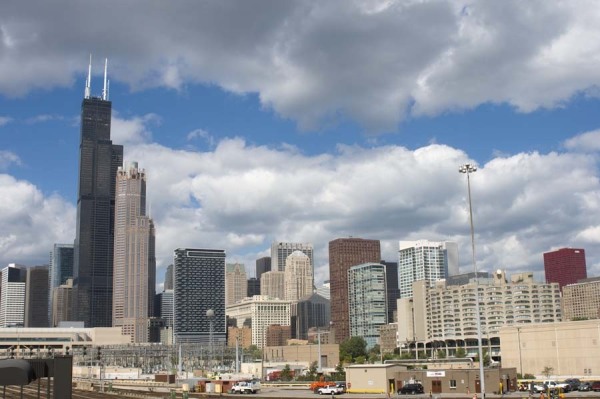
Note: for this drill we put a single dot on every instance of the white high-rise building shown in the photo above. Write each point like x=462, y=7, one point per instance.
x=425, y=260
x=298, y=277
x=281, y=250
x=263, y=311
x=12, y=302
x=272, y=284
x=236, y=283
x=134, y=272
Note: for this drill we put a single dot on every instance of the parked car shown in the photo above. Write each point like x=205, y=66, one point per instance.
x=342, y=386
x=550, y=385
x=246, y=387
x=411, y=389
x=332, y=389
x=573, y=383
x=585, y=386
x=595, y=386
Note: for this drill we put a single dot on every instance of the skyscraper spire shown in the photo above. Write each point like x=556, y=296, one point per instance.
x=105, y=90
x=88, y=82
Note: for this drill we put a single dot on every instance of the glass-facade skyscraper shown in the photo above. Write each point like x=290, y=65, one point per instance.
x=99, y=160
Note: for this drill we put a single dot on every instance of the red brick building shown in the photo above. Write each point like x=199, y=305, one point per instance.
x=565, y=266
x=343, y=254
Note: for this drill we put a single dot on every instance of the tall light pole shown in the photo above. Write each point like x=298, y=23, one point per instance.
x=468, y=169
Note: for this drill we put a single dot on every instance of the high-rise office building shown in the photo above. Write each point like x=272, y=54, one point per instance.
x=12, y=301
x=236, y=283
x=168, y=278
x=298, y=277
x=62, y=303
x=166, y=307
x=253, y=287
x=367, y=296
x=199, y=296
x=281, y=250
x=263, y=265
x=312, y=311
x=343, y=254
x=99, y=160
x=61, y=269
x=565, y=266
x=36, y=297
x=581, y=301
x=425, y=260
x=263, y=311
x=272, y=284
x=393, y=293
x=134, y=274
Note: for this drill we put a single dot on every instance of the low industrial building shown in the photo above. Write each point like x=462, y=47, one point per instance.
x=59, y=339
x=435, y=378
x=571, y=349
x=303, y=355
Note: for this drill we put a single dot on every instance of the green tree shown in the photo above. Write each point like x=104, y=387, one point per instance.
x=286, y=373
x=486, y=357
x=253, y=352
x=441, y=354
x=353, y=347
x=460, y=353
x=312, y=371
x=339, y=374
x=360, y=359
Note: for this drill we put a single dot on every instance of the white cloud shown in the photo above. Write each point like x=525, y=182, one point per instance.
x=134, y=130
x=588, y=141
x=30, y=222
x=240, y=197
x=4, y=120
x=318, y=62
x=202, y=134
x=8, y=158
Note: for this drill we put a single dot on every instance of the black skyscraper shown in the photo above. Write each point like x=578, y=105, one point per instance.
x=94, y=241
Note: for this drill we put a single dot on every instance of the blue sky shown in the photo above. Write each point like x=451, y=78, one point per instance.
x=309, y=121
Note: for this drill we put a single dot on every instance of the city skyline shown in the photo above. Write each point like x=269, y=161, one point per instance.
x=347, y=121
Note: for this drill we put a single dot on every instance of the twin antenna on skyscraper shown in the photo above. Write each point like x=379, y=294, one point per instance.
x=88, y=82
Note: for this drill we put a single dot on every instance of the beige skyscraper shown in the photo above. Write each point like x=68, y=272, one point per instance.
x=272, y=284
x=298, y=277
x=62, y=303
x=236, y=283
x=134, y=258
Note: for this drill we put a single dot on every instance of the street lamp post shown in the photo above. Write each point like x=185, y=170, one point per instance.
x=468, y=169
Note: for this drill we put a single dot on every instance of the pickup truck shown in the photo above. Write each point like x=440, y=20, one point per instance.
x=246, y=387
x=331, y=389
x=551, y=385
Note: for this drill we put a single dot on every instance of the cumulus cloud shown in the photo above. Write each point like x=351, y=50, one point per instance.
x=30, y=222
x=317, y=62
x=134, y=130
x=588, y=141
x=241, y=197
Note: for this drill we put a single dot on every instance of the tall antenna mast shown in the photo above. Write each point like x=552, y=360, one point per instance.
x=88, y=82
x=105, y=90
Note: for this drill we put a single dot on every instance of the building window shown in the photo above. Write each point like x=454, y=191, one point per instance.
x=452, y=384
